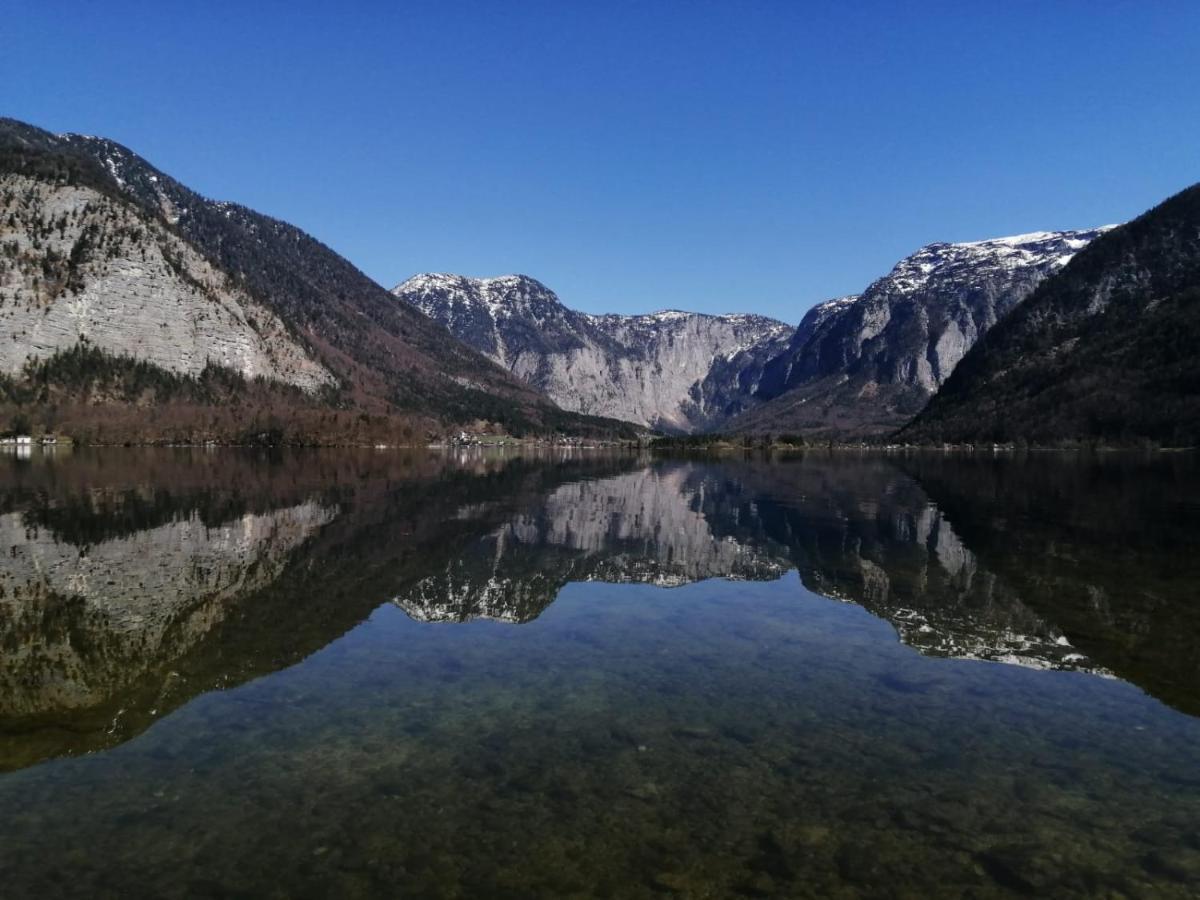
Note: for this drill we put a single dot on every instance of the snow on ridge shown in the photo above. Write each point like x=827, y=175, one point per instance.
x=941, y=259
x=1029, y=241
x=1035, y=237
x=664, y=316
x=442, y=294
x=475, y=292
x=441, y=278
x=424, y=279
x=838, y=302
x=1013, y=240
x=827, y=309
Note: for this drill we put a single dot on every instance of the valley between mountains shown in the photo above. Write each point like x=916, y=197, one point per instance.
x=855, y=366
x=134, y=310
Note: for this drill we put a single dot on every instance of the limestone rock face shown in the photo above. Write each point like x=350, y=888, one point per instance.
x=671, y=370
x=78, y=265
x=868, y=363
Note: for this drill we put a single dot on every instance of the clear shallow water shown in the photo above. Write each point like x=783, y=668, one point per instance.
x=383, y=676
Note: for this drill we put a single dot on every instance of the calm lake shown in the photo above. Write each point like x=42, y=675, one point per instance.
x=228, y=674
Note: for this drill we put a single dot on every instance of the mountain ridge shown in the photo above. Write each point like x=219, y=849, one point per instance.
x=865, y=364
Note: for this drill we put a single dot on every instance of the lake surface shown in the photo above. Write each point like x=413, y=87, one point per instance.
x=225, y=674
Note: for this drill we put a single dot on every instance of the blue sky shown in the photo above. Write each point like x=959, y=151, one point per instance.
x=634, y=156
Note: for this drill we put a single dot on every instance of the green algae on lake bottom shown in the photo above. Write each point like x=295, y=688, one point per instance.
x=718, y=738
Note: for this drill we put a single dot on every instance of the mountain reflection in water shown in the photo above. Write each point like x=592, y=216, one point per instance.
x=134, y=582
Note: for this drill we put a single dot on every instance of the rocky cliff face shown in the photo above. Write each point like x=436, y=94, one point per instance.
x=868, y=363
x=671, y=370
x=77, y=265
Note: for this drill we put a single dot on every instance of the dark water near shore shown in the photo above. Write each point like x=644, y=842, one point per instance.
x=381, y=675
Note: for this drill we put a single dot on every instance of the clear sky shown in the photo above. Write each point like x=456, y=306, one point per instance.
x=735, y=156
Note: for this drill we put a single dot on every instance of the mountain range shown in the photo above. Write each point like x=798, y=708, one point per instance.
x=671, y=370
x=857, y=365
x=123, y=291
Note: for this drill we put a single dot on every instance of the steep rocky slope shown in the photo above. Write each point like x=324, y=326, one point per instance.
x=1105, y=350
x=97, y=244
x=77, y=265
x=671, y=370
x=866, y=364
